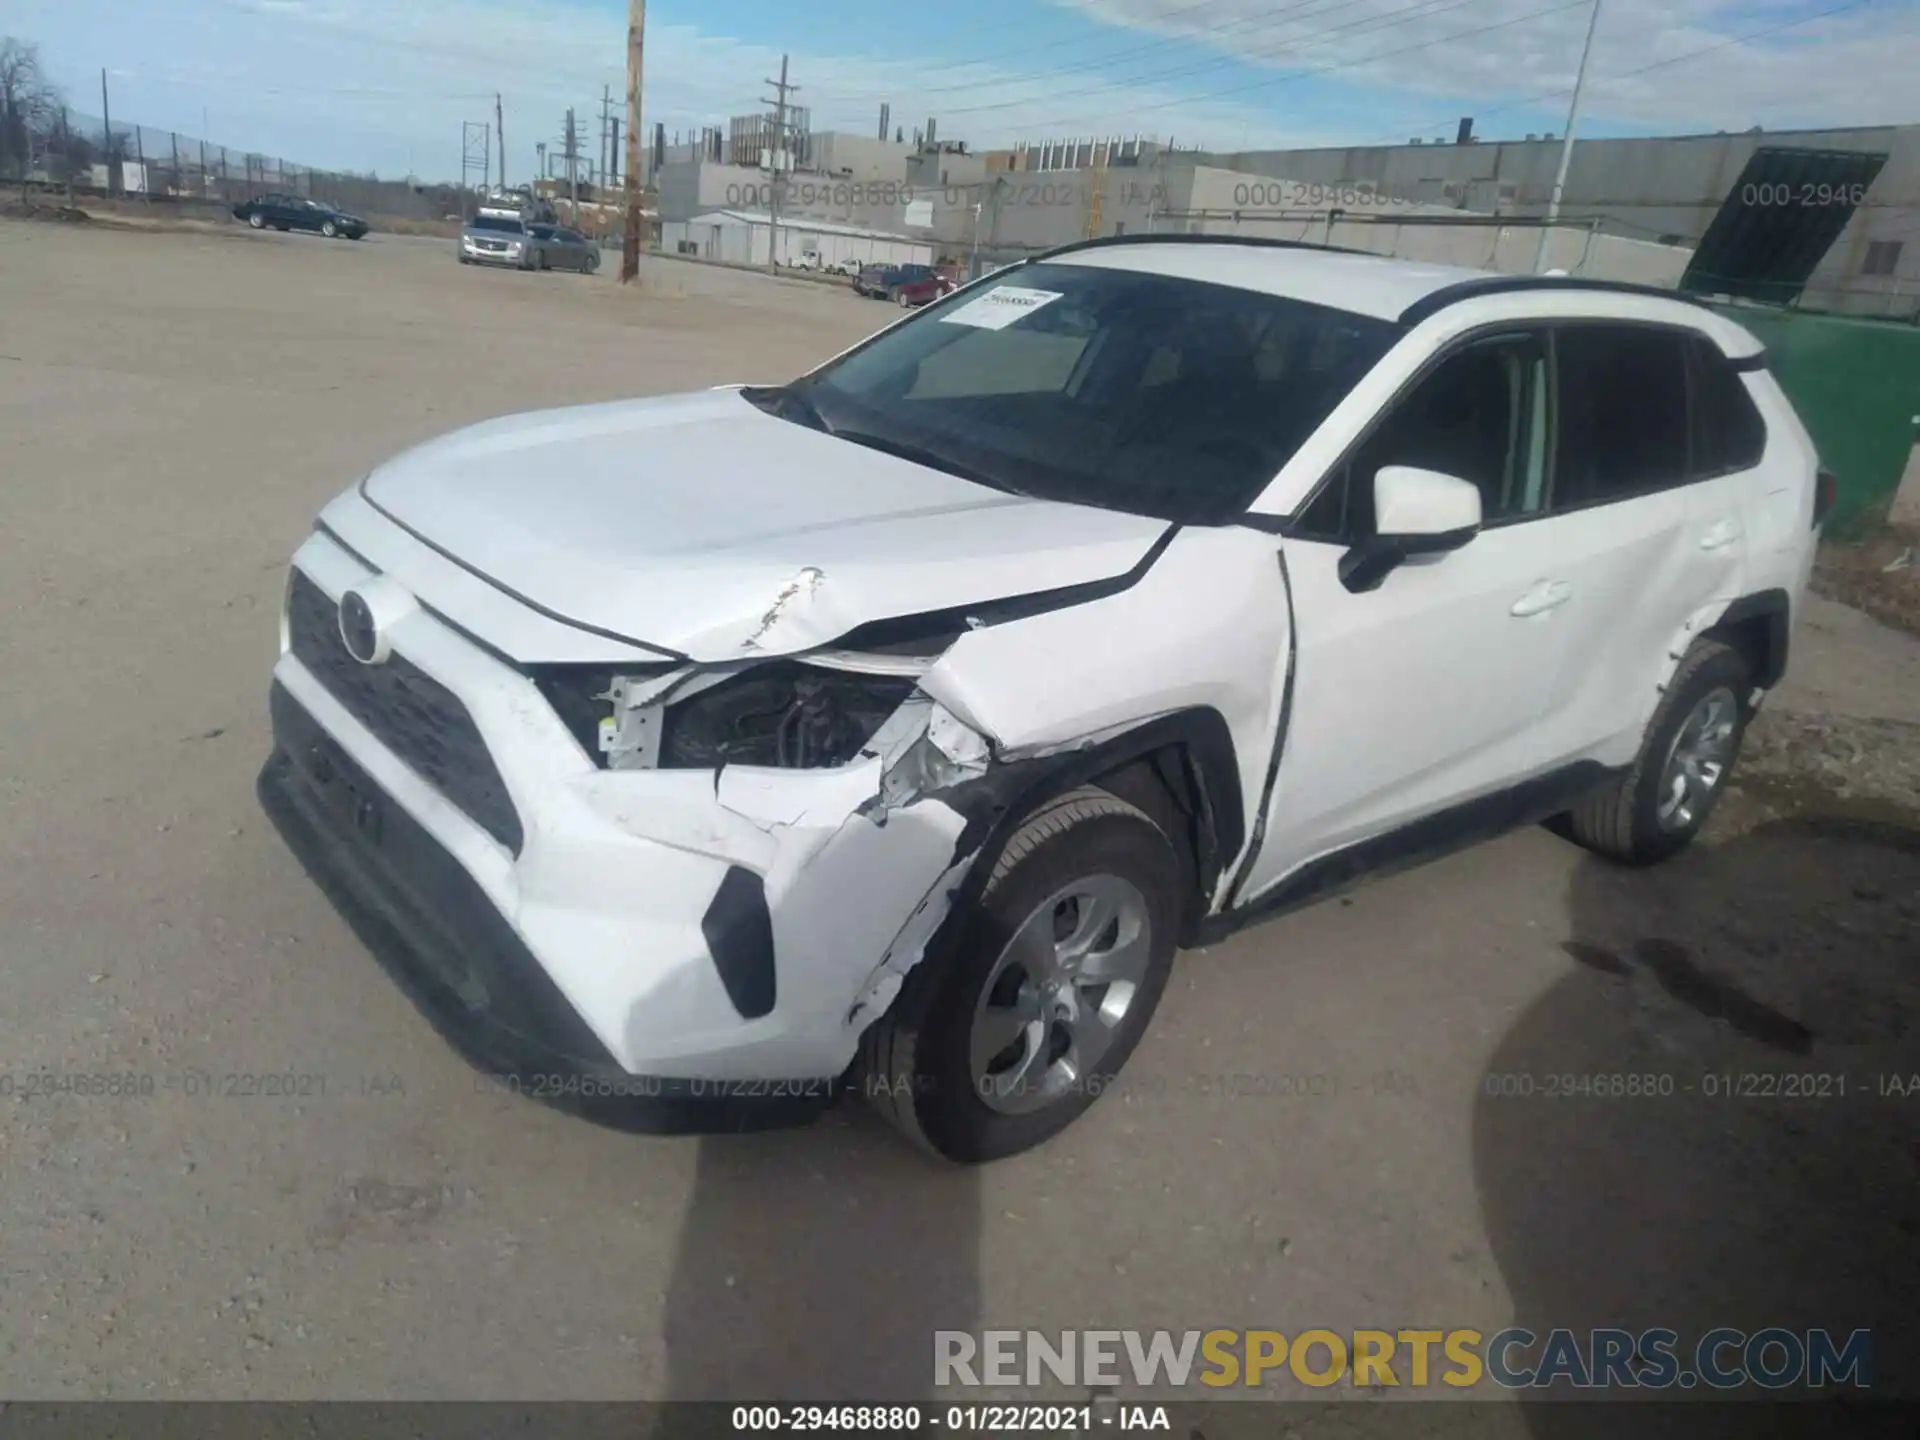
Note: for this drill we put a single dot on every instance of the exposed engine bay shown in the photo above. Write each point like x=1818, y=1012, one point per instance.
x=782, y=714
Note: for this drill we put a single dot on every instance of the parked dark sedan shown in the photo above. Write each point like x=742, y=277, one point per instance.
x=296, y=212
x=555, y=247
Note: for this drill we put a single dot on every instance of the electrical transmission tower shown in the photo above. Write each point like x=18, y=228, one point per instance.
x=476, y=153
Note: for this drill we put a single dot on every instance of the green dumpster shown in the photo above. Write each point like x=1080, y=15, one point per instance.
x=1856, y=383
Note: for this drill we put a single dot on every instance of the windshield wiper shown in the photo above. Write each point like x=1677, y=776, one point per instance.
x=920, y=455
x=787, y=403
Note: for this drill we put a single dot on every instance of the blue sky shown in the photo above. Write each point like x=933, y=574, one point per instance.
x=385, y=84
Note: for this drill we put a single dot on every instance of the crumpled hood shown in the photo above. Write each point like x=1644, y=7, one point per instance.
x=701, y=525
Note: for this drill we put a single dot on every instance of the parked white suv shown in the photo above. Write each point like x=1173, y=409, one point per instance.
x=896, y=725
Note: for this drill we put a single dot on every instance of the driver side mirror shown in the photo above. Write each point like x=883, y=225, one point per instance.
x=1416, y=512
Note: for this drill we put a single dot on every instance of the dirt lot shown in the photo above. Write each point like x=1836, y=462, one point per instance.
x=174, y=408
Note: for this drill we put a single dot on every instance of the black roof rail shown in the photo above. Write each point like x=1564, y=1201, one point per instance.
x=1435, y=301
x=1101, y=242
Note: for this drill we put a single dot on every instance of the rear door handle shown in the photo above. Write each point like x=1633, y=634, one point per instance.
x=1542, y=598
x=1719, y=535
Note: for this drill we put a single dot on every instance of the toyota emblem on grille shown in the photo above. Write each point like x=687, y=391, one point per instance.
x=359, y=632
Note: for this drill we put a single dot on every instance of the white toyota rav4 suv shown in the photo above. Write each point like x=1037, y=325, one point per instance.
x=710, y=755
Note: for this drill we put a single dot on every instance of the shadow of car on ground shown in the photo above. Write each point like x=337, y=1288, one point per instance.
x=1765, y=986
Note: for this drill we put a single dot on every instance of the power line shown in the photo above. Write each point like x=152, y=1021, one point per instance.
x=1161, y=18
x=1405, y=12
x=1265, y=17
x=1298, y=75
x=1654, y=65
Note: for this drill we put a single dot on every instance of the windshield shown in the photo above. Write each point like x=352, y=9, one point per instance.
x=1137, y=392
x=495, y=222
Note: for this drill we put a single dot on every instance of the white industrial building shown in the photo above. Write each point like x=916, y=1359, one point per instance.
x=747, y=237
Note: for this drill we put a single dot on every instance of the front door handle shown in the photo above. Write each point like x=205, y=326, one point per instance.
x=1719, y=535
x=1542, y=598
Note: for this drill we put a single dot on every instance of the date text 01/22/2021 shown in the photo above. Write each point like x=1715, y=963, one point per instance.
x=955, y=1419
x=1712, y=1085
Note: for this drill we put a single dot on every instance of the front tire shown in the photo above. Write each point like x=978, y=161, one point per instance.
x=1656, y=808
x=257, y=220
x=1004, y=1039
x=330, y=230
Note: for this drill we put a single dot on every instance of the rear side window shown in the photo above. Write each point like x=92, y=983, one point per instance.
x=1728, y=433
x=1623, y=413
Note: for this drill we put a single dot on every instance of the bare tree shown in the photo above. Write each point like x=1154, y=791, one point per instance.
x=28, y=104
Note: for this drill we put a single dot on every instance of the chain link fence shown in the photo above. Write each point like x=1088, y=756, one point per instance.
x=77, y=154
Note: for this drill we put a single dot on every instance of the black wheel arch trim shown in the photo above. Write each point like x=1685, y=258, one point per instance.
x=994, y=805
x=1775, y=609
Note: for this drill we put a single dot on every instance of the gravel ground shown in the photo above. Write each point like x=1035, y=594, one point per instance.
x=1879, y=573
x=174, y=408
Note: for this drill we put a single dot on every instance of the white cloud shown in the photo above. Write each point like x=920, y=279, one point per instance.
x=1845, y=69
x=369, y=83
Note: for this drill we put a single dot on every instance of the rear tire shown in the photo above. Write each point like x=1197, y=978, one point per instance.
x=1113, y=873
x=1656, y=808
x=330, y=230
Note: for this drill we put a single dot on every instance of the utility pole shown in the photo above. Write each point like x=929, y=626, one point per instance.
x=781, y=87
x=606, y=113
x=500, y=131
x=573, y=178
x=636, y=55
x=106, y=121
x=1566, y=143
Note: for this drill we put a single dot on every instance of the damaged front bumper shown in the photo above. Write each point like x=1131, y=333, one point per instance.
x=722, y=938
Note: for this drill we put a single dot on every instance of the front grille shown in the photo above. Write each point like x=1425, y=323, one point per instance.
x=412, y=714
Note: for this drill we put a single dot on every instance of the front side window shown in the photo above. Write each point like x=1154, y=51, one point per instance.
x=1623, y=413
x=1160, y=396
x=1480, y=415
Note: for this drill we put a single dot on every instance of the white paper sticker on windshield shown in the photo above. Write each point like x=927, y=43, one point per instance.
x=1000, y=307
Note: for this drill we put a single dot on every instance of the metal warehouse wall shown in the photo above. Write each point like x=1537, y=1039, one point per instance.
x=1644, y=188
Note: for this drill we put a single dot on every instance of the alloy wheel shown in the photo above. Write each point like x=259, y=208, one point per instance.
x=1058, y=993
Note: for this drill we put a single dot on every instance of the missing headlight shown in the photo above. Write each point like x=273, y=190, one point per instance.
x=780, y=714
x=579, y=695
